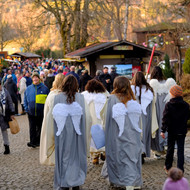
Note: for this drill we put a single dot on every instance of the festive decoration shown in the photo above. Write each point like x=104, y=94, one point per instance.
x=153, y=49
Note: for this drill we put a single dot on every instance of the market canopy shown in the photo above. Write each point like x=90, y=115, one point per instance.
x=26, y=55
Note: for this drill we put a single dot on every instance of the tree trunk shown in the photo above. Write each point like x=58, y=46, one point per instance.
x=180, y=64
x=77, y=25
x=108, y=29
x=63, y=37
x=126, y=20
x=85, y=19
x=69, y=37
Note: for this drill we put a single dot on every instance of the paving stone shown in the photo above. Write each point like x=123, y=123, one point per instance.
x=21, y=169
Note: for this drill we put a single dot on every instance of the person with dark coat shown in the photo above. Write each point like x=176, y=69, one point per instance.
x=12, y=89
x=9, y=72
x=6, y=115
x=49, y=79
x=72, y=72
x=85, y=77
x=28, y=79
x=174, y=121
x=106, y=80
x=79, y=72
x=113, y=75
x=98, y=73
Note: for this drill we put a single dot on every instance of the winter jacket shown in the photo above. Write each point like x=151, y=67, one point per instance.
x=75, y=75
x=49, y=81
x=13, y=76
x=34, y=99
x=113, y=75
x=83, y=81
x=9, y=110
x=103, y=77
x=175, y=116
x=28, y=81
x=12, y=89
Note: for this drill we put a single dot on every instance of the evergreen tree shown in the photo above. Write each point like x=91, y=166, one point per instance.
x=186, y=65
x=167, y=70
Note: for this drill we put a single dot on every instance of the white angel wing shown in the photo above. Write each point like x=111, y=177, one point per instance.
x=169, y=83
x=60, y=121
x=134, y=113
x=75, y=110
x=76, y=123
x=146, y=99
x=100, y=100
x=118, y=114
x=60, y=114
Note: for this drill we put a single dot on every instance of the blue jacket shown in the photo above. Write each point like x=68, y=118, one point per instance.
x=34, y=99
x=13, y=76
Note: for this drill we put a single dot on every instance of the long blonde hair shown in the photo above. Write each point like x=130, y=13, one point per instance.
x=58, y=82
x=122, y=89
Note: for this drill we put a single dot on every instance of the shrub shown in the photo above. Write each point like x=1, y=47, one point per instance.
x=185, y=82
x=186, y=65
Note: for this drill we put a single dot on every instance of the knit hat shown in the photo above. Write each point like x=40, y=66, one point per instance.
x=176, y=91
x=35, y=74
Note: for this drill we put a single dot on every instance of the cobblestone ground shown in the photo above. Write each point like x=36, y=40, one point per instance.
x=21, y=169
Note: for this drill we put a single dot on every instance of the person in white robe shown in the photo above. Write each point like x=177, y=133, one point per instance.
x=144, y=95
x=47, y=144
x=96, y=96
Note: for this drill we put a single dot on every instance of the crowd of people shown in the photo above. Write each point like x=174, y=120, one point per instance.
x=63, y=103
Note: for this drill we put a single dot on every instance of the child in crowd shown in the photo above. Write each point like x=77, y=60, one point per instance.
x=174, y=121
x=176, y=181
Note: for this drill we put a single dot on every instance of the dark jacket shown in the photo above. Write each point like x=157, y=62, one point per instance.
x=75, y=75
x=11, y=87
x=113, y=75
x=9, y=110
x=49, y=81
x=97, y=78
x=28, y=81
x=34, y=99
x=103, y=77
x=83, y=81
x=175, y=116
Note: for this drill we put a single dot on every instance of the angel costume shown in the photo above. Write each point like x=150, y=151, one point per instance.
x=161, y=97
x=123, y=142
x=96, y=102
x=47, y=145
x=146, y=117
x=71, y=122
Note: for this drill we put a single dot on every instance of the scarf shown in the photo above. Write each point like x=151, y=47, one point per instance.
x=2, y=100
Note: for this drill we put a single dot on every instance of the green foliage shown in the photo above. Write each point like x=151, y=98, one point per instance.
x=186, y=65
x=47, y=53
x=167, y=70
x=3, y=64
